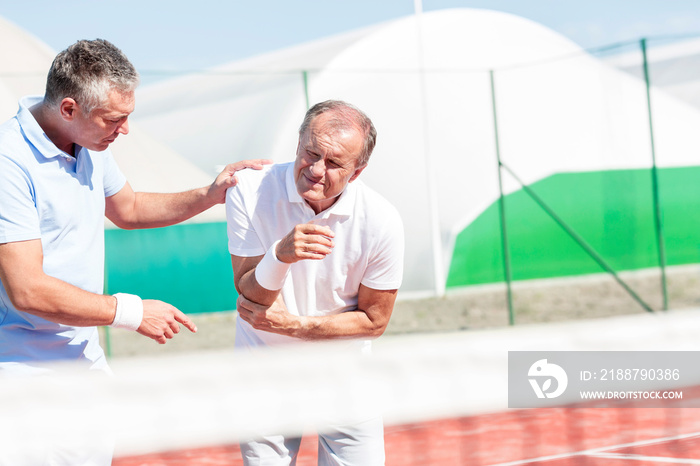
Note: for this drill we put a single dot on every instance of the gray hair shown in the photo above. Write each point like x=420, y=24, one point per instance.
x=346, y=116
x=87, y=71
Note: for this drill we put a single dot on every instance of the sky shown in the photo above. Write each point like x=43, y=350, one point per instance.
x=165, y=37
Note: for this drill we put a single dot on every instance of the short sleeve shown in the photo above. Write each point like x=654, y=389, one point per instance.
x=113, y=178
x=385, y=268
x=243, y=241
x=19, y=219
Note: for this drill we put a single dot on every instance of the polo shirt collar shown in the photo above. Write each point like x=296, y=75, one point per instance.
x=343, y=207
x=33, y=132
x=292, y=193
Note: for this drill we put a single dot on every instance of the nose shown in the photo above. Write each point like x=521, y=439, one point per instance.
x=318, y=168
x=124, y=127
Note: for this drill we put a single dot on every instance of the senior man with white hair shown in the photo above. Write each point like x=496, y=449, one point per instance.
x=317, y=255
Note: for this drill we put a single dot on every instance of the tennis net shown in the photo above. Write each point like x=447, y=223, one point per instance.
x=443, y=398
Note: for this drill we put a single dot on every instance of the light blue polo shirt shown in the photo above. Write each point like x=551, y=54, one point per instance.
x=47, y=194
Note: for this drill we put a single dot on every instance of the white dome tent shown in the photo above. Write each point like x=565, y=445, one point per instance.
x=25, y=62
x=560, y=110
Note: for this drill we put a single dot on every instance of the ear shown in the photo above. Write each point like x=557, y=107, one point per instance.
x=357, y=173
x=67, y=108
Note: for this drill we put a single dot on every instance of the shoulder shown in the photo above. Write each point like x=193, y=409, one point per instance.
x=375, y=205
x=268, y=174
x=253, y=185
x=271, y=178
x=14, y=149
x=377, y=218
x=11, y=137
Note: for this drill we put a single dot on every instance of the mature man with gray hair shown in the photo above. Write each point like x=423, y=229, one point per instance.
x=58, y=180
x=316, y=255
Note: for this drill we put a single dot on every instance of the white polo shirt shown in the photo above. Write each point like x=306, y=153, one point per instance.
x=47, y=194
x=369, y=244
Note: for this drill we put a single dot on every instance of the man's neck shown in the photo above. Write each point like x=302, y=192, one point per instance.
x=46, y=118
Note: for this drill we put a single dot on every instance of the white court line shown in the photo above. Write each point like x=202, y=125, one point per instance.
x=655, y=459
x=601, y=452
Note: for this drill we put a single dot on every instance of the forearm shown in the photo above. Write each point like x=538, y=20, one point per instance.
x=249, y=287
x=152, y=210
x=349, y=324
x=275, y=318
x=57, y=301
x=259, y=278
x=369, y=320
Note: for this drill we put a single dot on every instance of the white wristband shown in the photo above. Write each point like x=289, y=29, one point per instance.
x=271, y=272
x=129, y=311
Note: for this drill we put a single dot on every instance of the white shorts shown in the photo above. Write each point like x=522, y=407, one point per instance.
x=360, y=444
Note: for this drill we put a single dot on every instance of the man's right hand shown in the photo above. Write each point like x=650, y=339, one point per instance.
x=161, y=321
x=305, y=241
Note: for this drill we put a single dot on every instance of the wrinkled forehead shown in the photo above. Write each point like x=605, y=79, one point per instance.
x=118, y=102
x=331, y=125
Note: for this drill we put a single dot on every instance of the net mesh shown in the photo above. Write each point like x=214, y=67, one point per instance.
x=443, y=398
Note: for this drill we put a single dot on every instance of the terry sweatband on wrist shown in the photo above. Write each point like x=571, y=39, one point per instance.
x=129, y=311
x=271, y=272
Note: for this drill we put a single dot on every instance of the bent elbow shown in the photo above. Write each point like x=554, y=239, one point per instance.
x=122, y=220
x=22, y=299
x=28, y=297
x=124, y=225
x=377, y=331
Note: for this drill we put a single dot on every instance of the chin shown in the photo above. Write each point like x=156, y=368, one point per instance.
x=309, y=198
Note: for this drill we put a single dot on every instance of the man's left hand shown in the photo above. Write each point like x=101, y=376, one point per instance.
x=227, y=178
x=274, y=318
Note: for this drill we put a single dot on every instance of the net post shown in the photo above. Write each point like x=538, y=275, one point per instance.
x=439, y=273
x=502, y=209
x=658, y=224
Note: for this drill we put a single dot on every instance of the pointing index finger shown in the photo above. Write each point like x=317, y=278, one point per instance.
x=184, y=320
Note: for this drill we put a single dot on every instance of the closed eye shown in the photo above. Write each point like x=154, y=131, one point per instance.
x=115, y=120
